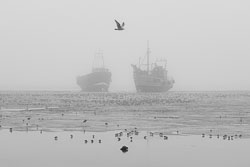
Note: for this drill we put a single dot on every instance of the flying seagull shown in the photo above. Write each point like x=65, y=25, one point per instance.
x=119, y=26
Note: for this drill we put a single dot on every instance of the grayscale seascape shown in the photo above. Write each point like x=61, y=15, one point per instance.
x=124, y=83
x=159, y=129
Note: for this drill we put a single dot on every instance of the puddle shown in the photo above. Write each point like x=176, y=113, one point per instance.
x=29, y=149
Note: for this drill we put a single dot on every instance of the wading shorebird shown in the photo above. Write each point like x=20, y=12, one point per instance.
x=119, y=26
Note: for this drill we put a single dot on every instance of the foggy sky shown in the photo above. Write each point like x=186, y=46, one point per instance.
x=45, y=45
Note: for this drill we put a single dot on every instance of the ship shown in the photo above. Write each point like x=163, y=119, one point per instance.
x=151, y=77
x=98, y=80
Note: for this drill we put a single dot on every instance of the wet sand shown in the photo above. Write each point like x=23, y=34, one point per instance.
x=89, y=129
x=192, y=113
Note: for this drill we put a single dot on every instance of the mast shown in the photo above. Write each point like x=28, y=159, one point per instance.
x=101, y=56
x=98, y=60
x=148, y=52
x=139, y=62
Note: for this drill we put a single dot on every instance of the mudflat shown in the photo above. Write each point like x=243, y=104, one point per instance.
x=194, y=113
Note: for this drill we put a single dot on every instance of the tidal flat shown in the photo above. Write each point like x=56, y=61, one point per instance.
x=159, y=129
x=191, y=113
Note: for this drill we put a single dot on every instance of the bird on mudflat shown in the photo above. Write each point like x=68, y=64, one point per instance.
x=119, y=26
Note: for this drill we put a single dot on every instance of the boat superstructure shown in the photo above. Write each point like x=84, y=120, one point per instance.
x=99, y=79
x=153, y=78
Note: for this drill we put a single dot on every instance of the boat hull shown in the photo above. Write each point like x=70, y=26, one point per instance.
x=145, y=82
x=95, y=81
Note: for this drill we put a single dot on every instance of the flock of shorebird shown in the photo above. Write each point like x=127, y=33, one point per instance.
x=130, y=134
x=120, y=134
x=229, y=137
x=134, y=132
x=224, y=137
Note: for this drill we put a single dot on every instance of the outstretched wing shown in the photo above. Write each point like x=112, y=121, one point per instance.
x=123, y=24
x=118, y=24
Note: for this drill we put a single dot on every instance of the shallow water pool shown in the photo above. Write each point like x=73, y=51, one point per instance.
x=29, y=149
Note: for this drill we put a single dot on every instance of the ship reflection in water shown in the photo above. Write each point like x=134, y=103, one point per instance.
x=34, y=149
x=152, y=79
x=98, y=80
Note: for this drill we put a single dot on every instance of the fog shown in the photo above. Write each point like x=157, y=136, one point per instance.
x=45, y=45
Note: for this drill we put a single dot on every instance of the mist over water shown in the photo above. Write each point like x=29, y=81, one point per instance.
x=46, y=45
x=46, y=120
